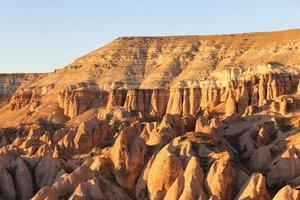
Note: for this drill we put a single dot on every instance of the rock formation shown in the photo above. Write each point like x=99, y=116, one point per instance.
x=220, y=178
x=92, y=133
x=128, y=154
x=9, y=83
x=254, y=188
x=230, y=104
x=287, y=192
x=80, y=98
x=159, y=118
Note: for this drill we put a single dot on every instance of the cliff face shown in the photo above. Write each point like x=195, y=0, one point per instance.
x=81, y=97
x=9, y=83
x=181, y=117
x=256, y=90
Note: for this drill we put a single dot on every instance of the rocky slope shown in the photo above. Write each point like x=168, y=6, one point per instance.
x=9, y=83
x=180, y=117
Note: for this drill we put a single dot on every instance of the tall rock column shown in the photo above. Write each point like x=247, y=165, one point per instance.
x=230, y=104
x=175, y=102
x=262, y=85
x=195, y=95
x=116, y=98
x=159, y=101
x=186, y=102
x=243, y=98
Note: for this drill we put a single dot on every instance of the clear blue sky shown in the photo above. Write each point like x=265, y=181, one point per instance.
x=42, y=35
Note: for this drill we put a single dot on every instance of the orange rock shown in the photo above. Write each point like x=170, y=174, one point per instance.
x=88, y=190
x=46, y=193
x=190, y=185
x=262, y=91
x=175, y=104
x=288, y=193
x=46, y=171
x=195, y=96
x=67, y=183
x=148, y=128
x=220, y=178
x=164, y=171
x=159, y=101
x=243, y=98
x=286, y=166
x=254, y=188
x=283, y=106
x=170, y=127
x=79, y=98
x=263, y=137
x=116, y=98
x=92, y=133
x=231, y=105
x=98, y=188
x=128, y=154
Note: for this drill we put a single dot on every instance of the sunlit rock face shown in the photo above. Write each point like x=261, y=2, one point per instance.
x=170, y=118
x=80, y=98
x=9, y=83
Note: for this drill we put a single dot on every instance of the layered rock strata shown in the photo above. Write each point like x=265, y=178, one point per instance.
x=79, y=98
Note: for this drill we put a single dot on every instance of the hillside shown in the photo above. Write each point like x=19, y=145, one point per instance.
x=177, y=117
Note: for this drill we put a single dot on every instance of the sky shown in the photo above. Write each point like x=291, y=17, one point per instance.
x=43, y=35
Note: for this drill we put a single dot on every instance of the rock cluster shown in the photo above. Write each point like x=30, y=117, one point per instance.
x=79, y=98
x=9, y=83
x=152, y=101
x=167, y=118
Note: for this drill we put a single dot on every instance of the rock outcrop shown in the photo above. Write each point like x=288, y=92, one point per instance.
x=190, y=185
x=254, y=188
x=220, y=178
x=128, y=154
x=285, y=167
x=9, y=83
x=287, y=192
x=116, y=98
x=170, y=127
x=169, y=167
x=80, y=98
x=92, y=133
x=147, y=101
x=46, y=171
x=159, y=118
